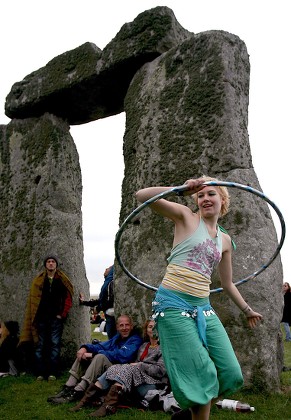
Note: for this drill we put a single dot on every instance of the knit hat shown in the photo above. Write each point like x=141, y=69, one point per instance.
x=50, y=257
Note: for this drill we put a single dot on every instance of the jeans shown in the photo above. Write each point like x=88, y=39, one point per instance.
x=48, y=348
x=287, y=331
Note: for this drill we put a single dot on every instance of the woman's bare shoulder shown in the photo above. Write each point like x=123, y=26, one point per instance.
x=226, y=241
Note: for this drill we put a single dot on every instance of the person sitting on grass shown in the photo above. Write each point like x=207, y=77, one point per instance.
x=148, y=372
x=9, y=338
x=94, y=359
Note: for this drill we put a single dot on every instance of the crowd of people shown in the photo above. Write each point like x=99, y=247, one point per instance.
x=134, y=355
x=123, y=368
x=182, y=370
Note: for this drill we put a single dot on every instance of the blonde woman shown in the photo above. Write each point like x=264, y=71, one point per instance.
x=198, y=355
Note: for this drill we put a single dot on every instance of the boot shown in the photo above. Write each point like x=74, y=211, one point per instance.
x=110, y=402
x=92, y=393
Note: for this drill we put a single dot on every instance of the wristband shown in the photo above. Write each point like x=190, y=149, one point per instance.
x=246, y=309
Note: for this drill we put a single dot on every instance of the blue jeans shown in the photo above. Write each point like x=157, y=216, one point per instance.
x=287, y=331
x=48, y=348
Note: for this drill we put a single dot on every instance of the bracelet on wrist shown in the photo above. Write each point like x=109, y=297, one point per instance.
x=246, y=309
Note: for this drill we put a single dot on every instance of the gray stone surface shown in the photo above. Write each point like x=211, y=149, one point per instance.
x=41, y=194
x=187, y=116
x=86, y=84
x=186, y=103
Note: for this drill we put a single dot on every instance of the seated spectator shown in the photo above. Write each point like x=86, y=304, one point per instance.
x=96, y=318
x=105, y=302
x=94, y=359
x=147, y=373
x=9, y=339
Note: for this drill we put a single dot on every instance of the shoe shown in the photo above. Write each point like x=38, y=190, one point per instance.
x=62, y=393
x=182, y=415
x=51, y=378
x=40, y=378
x=92, y=394
x=70, y=397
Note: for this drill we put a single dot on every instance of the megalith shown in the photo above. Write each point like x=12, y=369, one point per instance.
x=187, y=115
x=186, y=101
x=40, y=185
x=86, y=84
x=41, y=191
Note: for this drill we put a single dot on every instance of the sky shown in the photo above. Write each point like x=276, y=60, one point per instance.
x=34, y=32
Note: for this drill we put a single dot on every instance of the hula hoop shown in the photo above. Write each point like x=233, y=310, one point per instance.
x=177, y=191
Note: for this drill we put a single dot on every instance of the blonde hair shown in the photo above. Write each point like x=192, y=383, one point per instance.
x=223, y=192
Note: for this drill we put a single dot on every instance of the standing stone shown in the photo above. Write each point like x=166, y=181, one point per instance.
x=41, y=192
x=186, y=103
x=187, y=116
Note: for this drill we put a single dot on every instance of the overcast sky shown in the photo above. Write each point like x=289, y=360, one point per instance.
x=34, y=32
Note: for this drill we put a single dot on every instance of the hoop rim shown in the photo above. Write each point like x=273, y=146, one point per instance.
x=177, y=191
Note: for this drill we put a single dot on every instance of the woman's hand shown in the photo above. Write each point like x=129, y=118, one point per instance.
x=194, y=186
x=252, y=317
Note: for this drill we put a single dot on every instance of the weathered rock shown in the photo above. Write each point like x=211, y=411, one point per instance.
x=41, y=192
x=187, y=116
x=186, y=101
x=86, y=84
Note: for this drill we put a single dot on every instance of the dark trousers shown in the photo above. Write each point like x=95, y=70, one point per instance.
x=110, y=326
x=48, y=348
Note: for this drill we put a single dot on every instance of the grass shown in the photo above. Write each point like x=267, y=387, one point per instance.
x=24, y=398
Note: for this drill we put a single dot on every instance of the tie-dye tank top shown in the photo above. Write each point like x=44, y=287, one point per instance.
x=192, y=262
x=199, y=252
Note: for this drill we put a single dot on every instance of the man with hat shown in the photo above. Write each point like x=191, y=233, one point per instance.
x=48, y=304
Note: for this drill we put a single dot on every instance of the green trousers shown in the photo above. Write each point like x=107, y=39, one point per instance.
x=197, y=375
